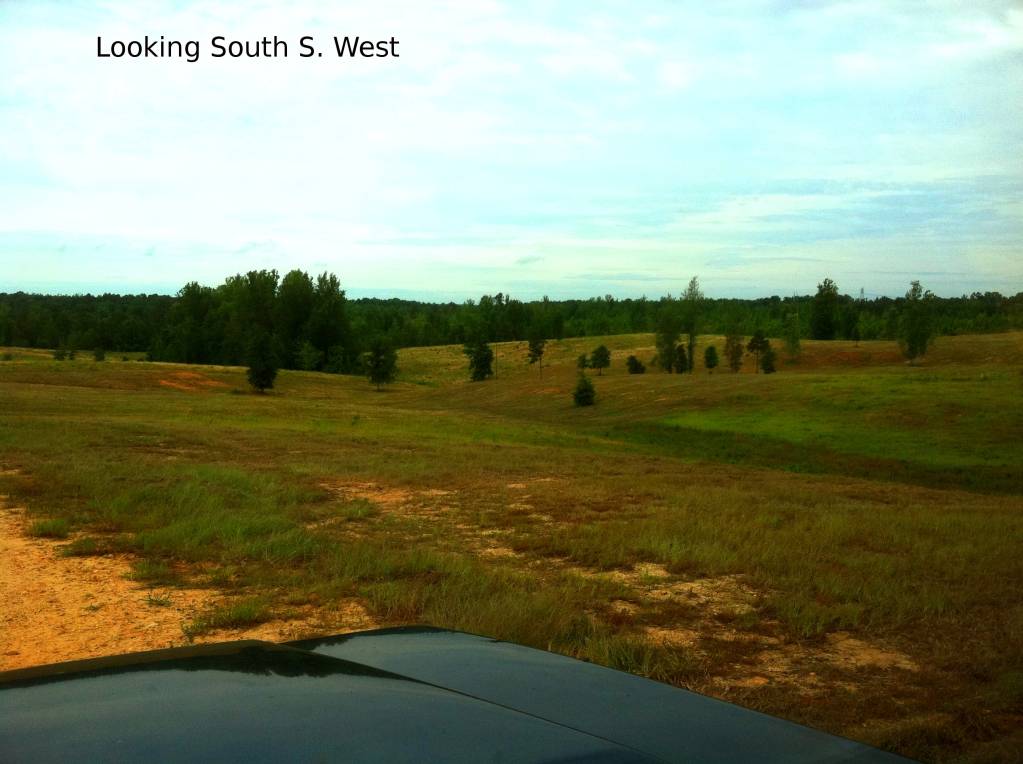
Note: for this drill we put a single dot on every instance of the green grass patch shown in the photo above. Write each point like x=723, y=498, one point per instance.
x=54, y=528
x=153, y=572
x=233, y=615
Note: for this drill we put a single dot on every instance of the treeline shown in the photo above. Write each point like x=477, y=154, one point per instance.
x=309, y=322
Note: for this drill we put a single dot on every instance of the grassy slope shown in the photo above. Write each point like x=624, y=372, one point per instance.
x=851, y=491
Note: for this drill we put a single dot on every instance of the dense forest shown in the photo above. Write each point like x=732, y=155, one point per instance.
x=312, y=325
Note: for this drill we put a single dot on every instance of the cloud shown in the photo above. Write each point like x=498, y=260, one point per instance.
x=524, y=143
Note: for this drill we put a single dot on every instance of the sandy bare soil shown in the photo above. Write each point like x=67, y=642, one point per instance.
x=55, y=608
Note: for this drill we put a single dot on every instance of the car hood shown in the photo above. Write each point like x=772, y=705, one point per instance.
x=408, y=694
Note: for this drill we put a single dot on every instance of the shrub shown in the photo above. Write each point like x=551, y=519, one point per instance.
x=710, y=359
x=309, y=357
x=8, y=356
x=99, y=354
x=767, y=360
x=262, y=360
x=60, y=354
x=582, y=362
x=481, y=360
x=49, y=529
x=380, y=363
x=584, y=394
x=681, y=360
x=634, y=365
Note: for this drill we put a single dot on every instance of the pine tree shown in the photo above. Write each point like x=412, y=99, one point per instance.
x=380, y=363
x=666, y=338
x=481, y=360
x=757, y=345
x=824, y=311
x=734, y=350
x=584, y=394
x=916, y=323
x=537, y=345
x=262, y=360
x=792, y=332
x=692, y=300
x=600, y=359
x=710, y=359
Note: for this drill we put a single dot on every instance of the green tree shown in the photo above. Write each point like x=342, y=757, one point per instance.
x=99, y=354
x=666, y=338
x=584, y=394
x=634, y=365
x=295, y=298
x=692, y=302
x=710, y=359
x=263, y=360
x=824, y=311
x=582, y=362
x=734, y=350
x=328, y=324
x=916, y=323
x=309, y=358
x=681, y=360
x=767, y=359
x=59, y=354
x=481, y=360
x=757, y=344
x=380, y=363
x=792, y=335
x=537, y=346
x=600, y=359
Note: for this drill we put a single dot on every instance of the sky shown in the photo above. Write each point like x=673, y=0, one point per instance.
x=569, y=149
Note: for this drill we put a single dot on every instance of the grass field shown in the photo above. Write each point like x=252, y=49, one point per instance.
x=840, y=543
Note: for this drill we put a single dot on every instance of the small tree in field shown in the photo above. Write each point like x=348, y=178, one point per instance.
x=666, y=338
x=792, y=333
x=767, y=359
x=537, y=345
x=99, y=354
x=582, y=362
x=634, y=365
x=734, y=351
x=710, y=359
x=692, y=300
x=481, y=360
x=59, y=354
x=262, y=360
x=380, y=363
x=584, y=394
x=600, y=359
x=681, y=360
x=916, y=324
x=757, y=344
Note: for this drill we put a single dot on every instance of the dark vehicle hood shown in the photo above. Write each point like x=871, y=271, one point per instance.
x=408, y=694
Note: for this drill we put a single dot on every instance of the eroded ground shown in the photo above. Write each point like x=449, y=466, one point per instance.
x=55, y=608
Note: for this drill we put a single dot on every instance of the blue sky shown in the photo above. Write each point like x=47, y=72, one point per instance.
x=569, y=149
